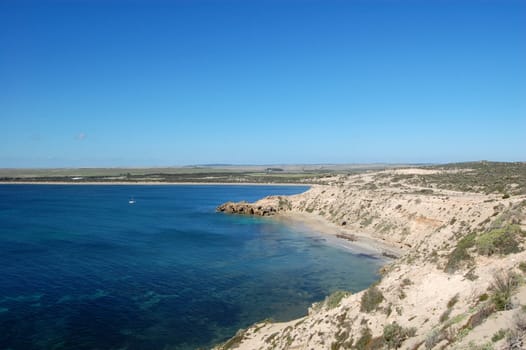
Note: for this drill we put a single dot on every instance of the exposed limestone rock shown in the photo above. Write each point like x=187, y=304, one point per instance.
x=267, y=206
x=245, y=208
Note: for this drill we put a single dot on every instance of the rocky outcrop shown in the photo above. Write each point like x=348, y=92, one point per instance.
x=245, y=208
x=267, y=206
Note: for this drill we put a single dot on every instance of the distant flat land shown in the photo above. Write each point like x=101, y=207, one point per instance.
x=192, y=174
x=482, y=176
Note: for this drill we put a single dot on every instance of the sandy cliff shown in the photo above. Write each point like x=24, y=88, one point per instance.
x=457, y=283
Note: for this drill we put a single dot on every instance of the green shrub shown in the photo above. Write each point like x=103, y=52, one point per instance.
x=504, y=240
x=498, y=335
x=460, y=254
x=522, y=266
x=365, y=338
x=483, y=297
x=486, y=346
x=335, y=298
x=371, y=299
x=433, y=338
x=394, y=335
x=500, y=241
x=503, y=286
x=501, y=301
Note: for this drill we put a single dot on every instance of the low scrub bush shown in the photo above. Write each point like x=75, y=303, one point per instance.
x=433, y=338
x=371, y=299
x=503, y=286
x=502, y=241
x=394, y=335
x=335, y=298
x=365, y=338
x=460, y=254
x=483, y=297
x=500, y=334
x=485, y=346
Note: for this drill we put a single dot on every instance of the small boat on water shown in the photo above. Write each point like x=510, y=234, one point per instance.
x=131, y=201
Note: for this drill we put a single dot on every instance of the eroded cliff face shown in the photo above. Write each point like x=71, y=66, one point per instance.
x=444, y=292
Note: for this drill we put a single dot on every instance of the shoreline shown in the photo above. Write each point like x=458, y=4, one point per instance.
x=361, y=244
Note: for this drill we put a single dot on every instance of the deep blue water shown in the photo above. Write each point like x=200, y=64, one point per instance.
x=80, y=268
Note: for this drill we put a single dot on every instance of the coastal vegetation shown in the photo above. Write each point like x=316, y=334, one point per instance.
x=505, y=178
x=335, y=298
x=502, y=288
x=394, y=335
x=501, y=238
x=371, y=299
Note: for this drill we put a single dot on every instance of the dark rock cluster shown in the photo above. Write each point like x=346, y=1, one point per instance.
x=245, y=208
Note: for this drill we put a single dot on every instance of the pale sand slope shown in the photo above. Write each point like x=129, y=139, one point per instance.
x=422, y=226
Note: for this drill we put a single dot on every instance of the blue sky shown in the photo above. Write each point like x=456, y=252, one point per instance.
x=160, y=83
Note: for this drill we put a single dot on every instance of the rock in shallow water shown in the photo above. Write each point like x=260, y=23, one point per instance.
x=245, y=208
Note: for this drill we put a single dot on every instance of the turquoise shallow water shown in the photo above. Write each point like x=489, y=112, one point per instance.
x=80, y=268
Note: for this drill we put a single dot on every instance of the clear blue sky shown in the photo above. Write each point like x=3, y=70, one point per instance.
x=156, y=83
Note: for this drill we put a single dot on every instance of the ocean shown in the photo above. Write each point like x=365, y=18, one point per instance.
x=81, y=268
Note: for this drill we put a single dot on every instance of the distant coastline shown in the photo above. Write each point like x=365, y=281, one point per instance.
x=235, y=175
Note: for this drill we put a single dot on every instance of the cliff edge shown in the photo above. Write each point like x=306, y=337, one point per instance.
x=458, y=283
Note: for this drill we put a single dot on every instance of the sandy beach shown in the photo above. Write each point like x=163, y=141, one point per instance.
x=357, y=243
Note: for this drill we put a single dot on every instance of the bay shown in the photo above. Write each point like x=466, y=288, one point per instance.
x=82, y=268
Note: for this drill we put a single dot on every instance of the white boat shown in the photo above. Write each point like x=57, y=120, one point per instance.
x=131, y=201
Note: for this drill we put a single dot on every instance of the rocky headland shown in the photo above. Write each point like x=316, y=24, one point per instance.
x=458, y=282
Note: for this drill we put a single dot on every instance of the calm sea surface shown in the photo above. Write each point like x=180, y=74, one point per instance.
x=81, y=268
